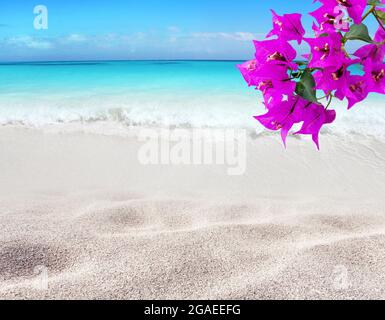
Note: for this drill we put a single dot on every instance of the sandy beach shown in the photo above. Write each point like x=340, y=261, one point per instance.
x=81, y=218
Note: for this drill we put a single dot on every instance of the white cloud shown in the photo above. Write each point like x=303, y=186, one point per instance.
x=30, y=42
x=173, y=29
x=75, y=38
x=233, y=36
x=173, y=35
x=171, y=42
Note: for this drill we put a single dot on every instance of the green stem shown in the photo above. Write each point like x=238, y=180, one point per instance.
x=379, y=20
x=371, y=10
x=324, y=97
x=330, y=101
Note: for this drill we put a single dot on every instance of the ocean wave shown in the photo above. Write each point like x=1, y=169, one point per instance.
x=130, y=110
x=100, y=116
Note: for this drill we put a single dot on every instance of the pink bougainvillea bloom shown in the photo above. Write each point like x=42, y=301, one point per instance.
x=315, y=116
x=289, y=86
x=248, y=70
x=375, y=76
x=356, y=90
x=355, y=8
x=272, y=80
x=326, y=51
x=330, y=19
x=275, y=52
x=374, y=52
x=334, y=78
x=287, y=27
x=282, y=115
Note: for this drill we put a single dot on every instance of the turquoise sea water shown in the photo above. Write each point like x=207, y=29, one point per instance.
x=143, y=92
x=160, y=93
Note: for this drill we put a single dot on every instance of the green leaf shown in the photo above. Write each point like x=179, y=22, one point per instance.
x=306, y=87
x=359, y=32
x=381, y=15
x=301, y=62
x=374, y=2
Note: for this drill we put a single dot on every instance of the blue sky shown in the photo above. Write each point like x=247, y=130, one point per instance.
x=138, y=29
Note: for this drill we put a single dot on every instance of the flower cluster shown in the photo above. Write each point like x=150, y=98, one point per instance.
x=291, y=86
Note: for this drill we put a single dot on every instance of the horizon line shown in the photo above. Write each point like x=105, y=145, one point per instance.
x=120, y=60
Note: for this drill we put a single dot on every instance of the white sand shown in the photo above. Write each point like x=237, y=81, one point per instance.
x=299, y=224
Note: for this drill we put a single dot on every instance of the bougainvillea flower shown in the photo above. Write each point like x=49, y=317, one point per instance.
x=248, y=70
x=271, y=80
x=355, y=8
x=326, y=51
x=334, y=78
x=289, y=86
x=275, y=52
x=274, y=81
x=355, y=90
x=375, y=51
x=329, y=19
x=375, y=76
x=272, y=71
x=282, y=115
x=315, y=116
x=287, y=27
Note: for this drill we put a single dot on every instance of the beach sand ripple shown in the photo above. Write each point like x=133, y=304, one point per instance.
x=112, y=229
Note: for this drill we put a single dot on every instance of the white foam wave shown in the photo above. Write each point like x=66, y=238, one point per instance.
x=114, y=114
